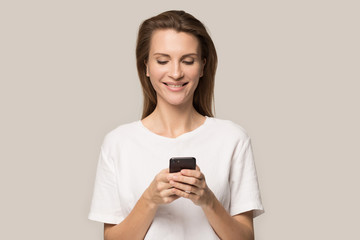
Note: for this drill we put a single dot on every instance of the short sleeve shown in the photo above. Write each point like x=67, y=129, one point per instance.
x=244, y=187
x=105, y=205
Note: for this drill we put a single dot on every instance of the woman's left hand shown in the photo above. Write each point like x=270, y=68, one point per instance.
x=191, y=184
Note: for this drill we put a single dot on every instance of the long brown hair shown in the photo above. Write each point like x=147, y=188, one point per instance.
x=182, y=22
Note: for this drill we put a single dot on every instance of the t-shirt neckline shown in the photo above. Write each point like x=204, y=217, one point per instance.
x=193, y=132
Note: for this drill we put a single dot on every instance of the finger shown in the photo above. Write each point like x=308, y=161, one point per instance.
x=167, y=193
x=192, y=173
x=189, y=180
x=185, y=187
x=170, y=199
x=163, y=186
x=171, y=175
x=183, y=194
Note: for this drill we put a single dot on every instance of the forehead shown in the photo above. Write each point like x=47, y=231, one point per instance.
x=170, y=42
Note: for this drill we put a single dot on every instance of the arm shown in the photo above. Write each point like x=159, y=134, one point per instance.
x=227, y=227
x=191, y=184
x=137, y=223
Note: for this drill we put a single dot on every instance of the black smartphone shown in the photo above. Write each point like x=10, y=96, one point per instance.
x=178, y=163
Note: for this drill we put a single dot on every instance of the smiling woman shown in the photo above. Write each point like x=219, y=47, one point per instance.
x=135, y=195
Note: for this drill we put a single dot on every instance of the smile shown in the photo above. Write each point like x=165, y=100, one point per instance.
x=175, y=85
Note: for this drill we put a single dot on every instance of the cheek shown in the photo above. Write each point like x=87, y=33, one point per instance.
x=156, y=76
x=154, y=82
x=156, y=72
x=195, y=74
x=196, y=83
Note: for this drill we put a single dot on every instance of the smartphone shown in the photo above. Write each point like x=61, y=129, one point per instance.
x=178, y=163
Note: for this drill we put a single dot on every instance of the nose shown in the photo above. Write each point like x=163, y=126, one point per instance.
x=175, y=71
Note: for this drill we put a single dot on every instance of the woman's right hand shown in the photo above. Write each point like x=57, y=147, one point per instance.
x=160, y=191
x=137, y=223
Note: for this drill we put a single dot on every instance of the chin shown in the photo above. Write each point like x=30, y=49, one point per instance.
x=177, y=101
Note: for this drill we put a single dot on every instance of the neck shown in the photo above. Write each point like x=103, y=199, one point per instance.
x=172, y=121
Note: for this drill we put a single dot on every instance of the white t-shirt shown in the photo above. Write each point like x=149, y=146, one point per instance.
x=132, y=155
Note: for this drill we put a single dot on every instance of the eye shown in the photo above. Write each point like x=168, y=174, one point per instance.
x=161, y=62
x=189, y=62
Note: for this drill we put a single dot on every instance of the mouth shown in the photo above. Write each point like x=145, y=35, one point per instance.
x=177, y=85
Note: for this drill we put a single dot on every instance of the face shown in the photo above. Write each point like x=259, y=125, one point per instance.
x=174, y=66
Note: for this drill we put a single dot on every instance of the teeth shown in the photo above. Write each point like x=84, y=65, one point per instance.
x=175, y=85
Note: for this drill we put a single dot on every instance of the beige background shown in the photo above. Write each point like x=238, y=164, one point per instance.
x=288, y=73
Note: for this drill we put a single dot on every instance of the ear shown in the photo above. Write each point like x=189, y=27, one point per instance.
x=202, y=67
x=147, y=68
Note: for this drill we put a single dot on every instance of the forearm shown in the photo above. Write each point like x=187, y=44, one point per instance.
x=226, y=226
x=136, y=224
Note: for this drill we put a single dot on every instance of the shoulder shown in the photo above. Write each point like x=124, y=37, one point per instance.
x=121, y=133
x=228, y=128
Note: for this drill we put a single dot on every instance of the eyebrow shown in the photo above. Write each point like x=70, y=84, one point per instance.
x=184, y=56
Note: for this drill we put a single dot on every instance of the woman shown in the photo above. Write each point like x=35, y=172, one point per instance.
x=135, y=195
